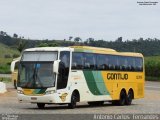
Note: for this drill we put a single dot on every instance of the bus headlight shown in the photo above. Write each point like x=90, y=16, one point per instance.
x=19, y=91
x=50, y=92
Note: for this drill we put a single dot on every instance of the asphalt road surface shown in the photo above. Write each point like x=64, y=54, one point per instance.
x=149, y=104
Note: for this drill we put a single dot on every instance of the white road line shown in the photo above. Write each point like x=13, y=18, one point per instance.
x=152, y=87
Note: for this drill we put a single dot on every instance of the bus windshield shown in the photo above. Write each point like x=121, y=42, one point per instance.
x=36, y=69
x=36, y=75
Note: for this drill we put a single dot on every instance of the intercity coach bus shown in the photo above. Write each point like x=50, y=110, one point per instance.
x=67, y=75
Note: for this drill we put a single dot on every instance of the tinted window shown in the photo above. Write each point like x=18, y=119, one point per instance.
x=89, y=61
x=131, y=63
x=102, y=62
x=63, y=70
x=139, y=64
x=77, y=61
x=112, y=60
x=106, y=62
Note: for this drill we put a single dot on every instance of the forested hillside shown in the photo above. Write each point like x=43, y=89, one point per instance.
x=148, y=47
x=6, y=56
x=11, y=46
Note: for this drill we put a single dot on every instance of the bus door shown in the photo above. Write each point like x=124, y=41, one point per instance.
x=64, y=64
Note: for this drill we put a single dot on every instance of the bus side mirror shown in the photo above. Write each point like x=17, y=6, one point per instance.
x=13, y=64
x=56, y=66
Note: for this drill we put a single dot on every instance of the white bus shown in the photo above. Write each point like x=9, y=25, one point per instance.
x=67, y=75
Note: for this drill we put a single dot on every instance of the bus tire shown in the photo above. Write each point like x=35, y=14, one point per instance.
x=122, y=98
x=15, y=84
x=73, y=102
x=115, y=102
x=41, y=105
x=129, y=97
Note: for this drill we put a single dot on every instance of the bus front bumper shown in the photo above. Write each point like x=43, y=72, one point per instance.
x=51, y=98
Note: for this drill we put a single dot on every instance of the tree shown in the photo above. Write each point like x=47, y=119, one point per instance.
x=21, y=45
x=1, y=33
x=53, y=45
x=90, y=40
x=119, y=39
x=70, y=38
x=77, y=39
x=15, y=35
x=43, y=45
x=47, y=45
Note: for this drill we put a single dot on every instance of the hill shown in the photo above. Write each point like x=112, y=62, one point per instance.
x=9, y=47
x=148, y=47
x=152, y=68
x=6, y=56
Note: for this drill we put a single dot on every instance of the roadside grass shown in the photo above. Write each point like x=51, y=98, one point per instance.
x=5, y=80
x=5, y=65
x=8, y=52
x=152, y=68
x=149, y=58
x=6, y=56
x=150, y=78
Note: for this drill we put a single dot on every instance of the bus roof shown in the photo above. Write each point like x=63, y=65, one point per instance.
x=93, y=49
x=104, y=51
x=86, y=49
x=48, y=49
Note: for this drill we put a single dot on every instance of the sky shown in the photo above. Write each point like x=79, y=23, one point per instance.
x=99, y=19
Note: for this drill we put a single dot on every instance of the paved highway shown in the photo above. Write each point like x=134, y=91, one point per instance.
x=149, y=104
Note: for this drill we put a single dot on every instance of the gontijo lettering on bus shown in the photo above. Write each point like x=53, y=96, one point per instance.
x=117, y=76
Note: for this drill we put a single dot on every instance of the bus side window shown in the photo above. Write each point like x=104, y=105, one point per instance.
x=89, y=61
x=102, y=62
x=122, y=63
x=112, y=62
x=131, y=64
x=63, y=69
x=77, y=60
x=139, y=64
x=117, y=66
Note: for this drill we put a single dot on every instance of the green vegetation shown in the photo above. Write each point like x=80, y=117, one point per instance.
x=5, y=80
x=148, y=47
x=152, y=68
x=6, y=56
x=10, y=47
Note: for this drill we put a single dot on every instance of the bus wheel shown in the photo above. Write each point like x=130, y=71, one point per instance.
x=72, y=105
x=15, y=84
x=115, y=102
x=40, y=105
x=122, y=99
x=129, y=98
